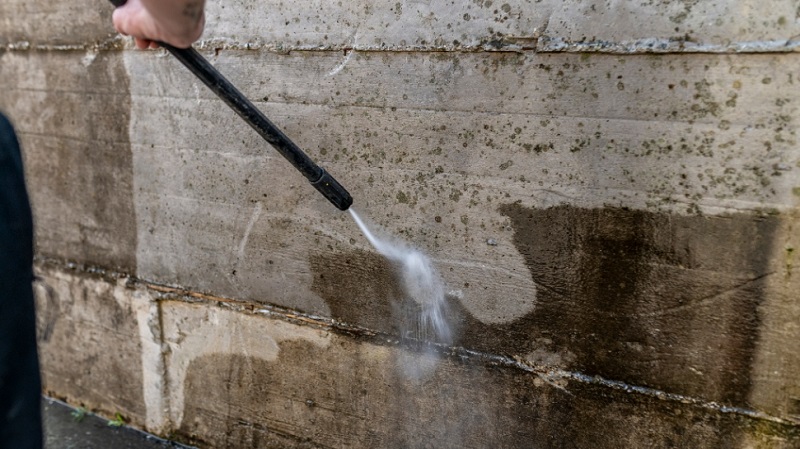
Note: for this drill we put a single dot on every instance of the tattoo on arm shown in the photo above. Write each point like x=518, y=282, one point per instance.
x=193, y=9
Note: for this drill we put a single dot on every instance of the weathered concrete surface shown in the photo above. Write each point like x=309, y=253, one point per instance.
x=89, y=342
x=633, y=295
x=548, y=25
x=543, y=25
x=71, y=111
x=284, y=386
x=240, y=376
x=623, y=226
x=29, y=24
x=676, y=132
x=654, y=26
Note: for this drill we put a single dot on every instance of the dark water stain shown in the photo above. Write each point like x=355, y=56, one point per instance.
x=652, y=299
x=359, y=287
x=304, y=400
x=362, y=288
x=349, y=394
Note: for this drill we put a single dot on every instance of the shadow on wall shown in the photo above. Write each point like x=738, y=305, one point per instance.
x=652, y=299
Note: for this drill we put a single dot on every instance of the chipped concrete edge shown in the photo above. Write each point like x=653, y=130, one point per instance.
x=514, y=44
x=147, y=306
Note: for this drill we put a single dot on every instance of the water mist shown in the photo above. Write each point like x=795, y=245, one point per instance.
x=421, y=284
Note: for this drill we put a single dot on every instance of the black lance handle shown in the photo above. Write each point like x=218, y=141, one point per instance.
x=319, y=178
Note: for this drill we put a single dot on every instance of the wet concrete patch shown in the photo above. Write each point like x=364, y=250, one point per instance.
x=351, y=394
x=360, y=287
x=666, y=301
x=363, y=288
x=653, y=299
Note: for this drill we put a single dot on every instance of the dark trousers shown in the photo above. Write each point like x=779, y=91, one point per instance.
x=20, y=384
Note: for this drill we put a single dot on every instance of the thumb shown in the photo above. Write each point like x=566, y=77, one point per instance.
x=119, y=19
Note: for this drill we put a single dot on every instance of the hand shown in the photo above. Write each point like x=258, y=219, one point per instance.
x=175, y=22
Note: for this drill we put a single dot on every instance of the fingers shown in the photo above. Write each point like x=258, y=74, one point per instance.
x=172, y=27
x=132, y=19
x=116, y=19
x=121, y=19
x=144, y=44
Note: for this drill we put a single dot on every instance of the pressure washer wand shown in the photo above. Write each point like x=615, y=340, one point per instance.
x=319, y=178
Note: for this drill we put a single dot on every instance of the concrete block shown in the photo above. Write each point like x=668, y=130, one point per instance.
x=53, y=24
x=594, y=178
x=245, y=380
x=92, y=349
x=221, y=373
x=71, y=110
x=549, y=25
x=591, y=131
x=594, y=26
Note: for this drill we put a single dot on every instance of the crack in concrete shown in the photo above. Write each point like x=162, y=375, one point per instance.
x=115, y=43
x=513, y=44
x=698, y=302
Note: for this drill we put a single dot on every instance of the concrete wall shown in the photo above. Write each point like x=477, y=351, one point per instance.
x=610, y=191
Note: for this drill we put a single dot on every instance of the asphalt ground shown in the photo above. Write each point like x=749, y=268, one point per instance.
x=66, y=427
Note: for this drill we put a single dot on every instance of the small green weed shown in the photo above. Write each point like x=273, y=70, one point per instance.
x=79, y=413
x=118, y=421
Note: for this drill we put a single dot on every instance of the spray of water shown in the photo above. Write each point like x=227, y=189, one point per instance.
x=426, y=320
x=421, y=284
